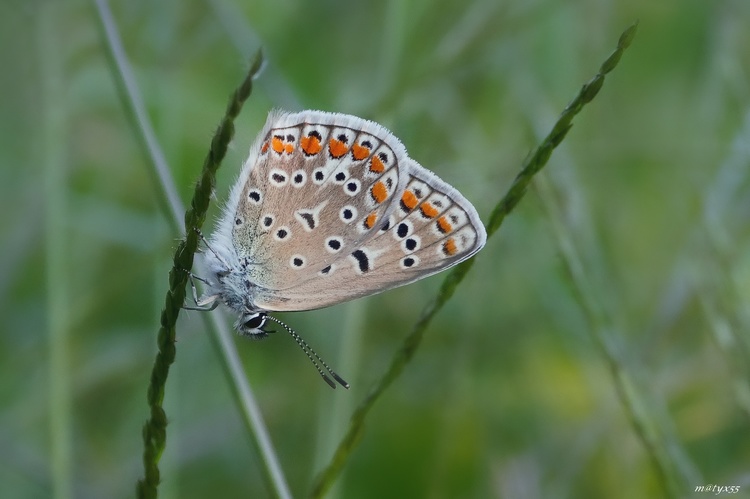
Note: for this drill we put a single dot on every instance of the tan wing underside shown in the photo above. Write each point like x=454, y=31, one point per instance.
x=325, y=189
x=432, y=228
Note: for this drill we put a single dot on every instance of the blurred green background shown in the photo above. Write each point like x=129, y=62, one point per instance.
x=598, y=348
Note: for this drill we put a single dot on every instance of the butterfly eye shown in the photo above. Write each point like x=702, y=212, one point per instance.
x=255, y=321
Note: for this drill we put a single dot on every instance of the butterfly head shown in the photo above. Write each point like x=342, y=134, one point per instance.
x=231, y=285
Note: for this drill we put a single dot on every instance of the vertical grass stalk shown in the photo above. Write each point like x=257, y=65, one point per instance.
x=56, y=251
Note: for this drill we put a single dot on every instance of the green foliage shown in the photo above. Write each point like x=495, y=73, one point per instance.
x=598, y=348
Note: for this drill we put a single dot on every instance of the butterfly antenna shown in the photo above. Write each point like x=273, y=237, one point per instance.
x=312, y=356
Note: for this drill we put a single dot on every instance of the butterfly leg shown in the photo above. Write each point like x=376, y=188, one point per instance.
x=203, y=304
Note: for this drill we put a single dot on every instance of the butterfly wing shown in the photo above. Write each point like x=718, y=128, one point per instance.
x=432, y=227
x=316, y=185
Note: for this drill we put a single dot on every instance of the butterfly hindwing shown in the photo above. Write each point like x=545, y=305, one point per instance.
x=432, y=227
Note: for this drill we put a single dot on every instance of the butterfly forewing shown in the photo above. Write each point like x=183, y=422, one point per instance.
x=319, y=187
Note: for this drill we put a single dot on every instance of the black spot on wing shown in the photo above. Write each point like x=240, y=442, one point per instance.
x=362, y=260
x=308, y=218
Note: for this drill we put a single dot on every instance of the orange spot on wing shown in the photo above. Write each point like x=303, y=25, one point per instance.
x=428, y=210
x=449, y=247
x=310, y=145
x=337, y=148
x=376, y=165
x=370, y=220
x=264, y=148
x=289, y=148
x=360, y=152
x=444, y=226
x=409, y=200
x=379, y=192
x=277, y=144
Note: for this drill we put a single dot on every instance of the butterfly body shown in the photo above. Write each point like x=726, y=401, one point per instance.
x=328, y=208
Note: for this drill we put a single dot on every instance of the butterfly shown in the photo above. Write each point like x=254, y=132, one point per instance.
x=327, y=208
